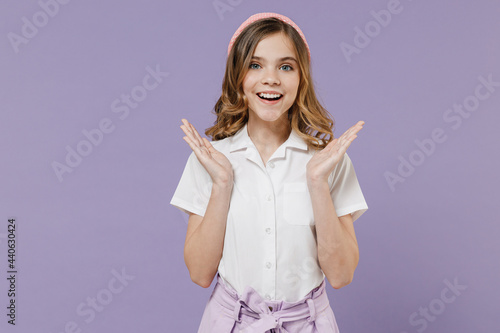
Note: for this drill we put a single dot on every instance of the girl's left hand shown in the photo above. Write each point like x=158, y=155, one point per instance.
x=323, y=162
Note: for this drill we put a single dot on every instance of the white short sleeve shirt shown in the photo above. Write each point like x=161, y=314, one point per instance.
x=270, y=240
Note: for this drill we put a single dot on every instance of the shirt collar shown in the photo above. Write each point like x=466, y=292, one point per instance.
x=242, y=140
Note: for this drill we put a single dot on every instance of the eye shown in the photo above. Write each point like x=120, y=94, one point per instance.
x=290, y=67
x=252, y=64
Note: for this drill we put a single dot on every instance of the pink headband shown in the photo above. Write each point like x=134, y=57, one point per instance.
x=259, y=16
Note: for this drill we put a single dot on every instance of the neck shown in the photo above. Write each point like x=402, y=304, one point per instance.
x=267, y=135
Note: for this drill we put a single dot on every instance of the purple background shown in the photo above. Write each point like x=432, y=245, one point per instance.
x=112, y=211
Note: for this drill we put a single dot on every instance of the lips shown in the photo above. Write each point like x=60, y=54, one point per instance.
x=270, y=96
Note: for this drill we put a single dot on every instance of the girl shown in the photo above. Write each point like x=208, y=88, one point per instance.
x=272, y=200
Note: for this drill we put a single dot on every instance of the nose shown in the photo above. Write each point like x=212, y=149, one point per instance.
x=270, y=77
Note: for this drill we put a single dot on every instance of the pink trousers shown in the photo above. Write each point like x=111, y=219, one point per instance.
x=228, y=312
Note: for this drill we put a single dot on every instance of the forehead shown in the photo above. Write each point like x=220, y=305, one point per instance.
x=275, y=46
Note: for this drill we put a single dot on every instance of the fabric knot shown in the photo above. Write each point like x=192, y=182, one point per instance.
x=312, y=310
x=236, y=312
x=250, y=303
x=257, y=308
x=265, y=323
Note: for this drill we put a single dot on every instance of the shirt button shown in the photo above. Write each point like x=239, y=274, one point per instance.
x=267, y=296
x=269, y=197
x=268, y=230
x=268, y=264
x=271, y=164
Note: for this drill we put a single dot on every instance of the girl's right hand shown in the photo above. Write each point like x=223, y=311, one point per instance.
x=217, y=165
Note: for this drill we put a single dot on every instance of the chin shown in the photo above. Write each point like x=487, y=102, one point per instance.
x=270, y=117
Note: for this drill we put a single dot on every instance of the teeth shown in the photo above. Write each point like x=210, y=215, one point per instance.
x=269, y=95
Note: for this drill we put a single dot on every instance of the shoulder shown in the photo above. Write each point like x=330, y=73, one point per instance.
x=222, y=145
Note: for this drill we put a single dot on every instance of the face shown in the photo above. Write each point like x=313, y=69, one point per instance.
x=273, y=74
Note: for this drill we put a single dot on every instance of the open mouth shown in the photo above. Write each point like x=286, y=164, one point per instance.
x=270, y=97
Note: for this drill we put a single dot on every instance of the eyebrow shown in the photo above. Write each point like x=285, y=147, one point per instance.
x=281, y=59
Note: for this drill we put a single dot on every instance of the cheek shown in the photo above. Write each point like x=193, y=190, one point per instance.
x=295, y=92
x=248, y=80
x=247, y=87
x=297, y=88
x=294, y=84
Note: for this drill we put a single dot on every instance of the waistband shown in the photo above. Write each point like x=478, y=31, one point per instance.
x=271, y=314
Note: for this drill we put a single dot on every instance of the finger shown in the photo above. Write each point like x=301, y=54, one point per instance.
x=344, y=142
x=331, y=144
x=208, y=145
x=191, y=132
x=350, y=139
x=185, y=129
x=200, y=152
x=196, y=135
x=190, y=143
x=344, y=136
x=190, y=135
x=353, y=130
x=347, y=142
x=356, y=128
x=186, y=124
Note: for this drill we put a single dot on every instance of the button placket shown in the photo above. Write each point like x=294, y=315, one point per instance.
x=269, y=216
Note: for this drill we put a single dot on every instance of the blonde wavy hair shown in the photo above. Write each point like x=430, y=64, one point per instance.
x=307, y=116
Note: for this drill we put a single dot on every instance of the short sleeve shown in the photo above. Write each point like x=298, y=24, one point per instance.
x=195, y=186
x=345, y=190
